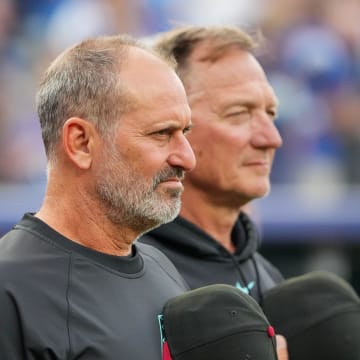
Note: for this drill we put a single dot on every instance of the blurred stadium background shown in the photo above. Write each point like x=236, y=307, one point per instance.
x=311, y=219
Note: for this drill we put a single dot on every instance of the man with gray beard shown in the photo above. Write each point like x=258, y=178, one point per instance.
x=73, y=284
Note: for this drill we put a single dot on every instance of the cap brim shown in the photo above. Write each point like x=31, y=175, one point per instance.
x=249, y=345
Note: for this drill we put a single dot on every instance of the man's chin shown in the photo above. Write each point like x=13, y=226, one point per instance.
x=259, y=192
x=150, y=224
x=167, y=210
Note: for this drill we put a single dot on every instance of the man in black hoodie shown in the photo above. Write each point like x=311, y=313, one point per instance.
x=234, y=139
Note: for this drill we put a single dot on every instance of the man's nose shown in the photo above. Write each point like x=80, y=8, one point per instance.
x=182, y=154
x=266, y=134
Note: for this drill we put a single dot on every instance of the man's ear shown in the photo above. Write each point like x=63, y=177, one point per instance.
x=78, y=138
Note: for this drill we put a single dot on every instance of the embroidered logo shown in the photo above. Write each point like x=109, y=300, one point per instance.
x=245, y=289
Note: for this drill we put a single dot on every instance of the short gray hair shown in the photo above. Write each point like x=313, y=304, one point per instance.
x=84, y=82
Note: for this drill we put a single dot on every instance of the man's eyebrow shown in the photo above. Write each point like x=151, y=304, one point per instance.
x=170, y=124
x=237, y=102
x=247, y=102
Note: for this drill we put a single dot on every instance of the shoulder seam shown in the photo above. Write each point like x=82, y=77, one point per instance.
x=164, y=268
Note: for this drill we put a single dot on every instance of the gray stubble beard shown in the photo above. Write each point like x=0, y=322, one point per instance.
x=133, y=204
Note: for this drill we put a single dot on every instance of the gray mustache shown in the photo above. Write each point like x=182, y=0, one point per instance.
x=167, y=173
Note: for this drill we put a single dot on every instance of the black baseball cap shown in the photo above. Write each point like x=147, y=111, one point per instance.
x=217, y=322
x=319, y=314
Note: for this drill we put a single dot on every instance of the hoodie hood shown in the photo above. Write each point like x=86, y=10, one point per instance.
x=179, y=235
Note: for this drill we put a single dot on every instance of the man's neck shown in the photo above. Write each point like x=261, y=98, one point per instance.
x=216, y=221
x=82, y=222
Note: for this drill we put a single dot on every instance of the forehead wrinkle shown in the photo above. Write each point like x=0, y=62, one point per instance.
x=174, y=107
x=240, y=96
x=251, y=91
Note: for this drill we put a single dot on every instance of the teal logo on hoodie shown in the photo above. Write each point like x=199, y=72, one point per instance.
x=245, y=289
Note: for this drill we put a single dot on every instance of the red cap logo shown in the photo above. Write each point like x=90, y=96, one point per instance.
x=166, y=352
x=270, y=331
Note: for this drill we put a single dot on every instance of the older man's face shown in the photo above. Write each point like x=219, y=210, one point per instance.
x=140, y=173
x=234, y=137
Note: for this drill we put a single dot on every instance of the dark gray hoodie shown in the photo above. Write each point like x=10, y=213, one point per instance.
x=201, y=260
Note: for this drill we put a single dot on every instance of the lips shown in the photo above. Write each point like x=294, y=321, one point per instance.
x=173, y=182
x=173, y=179
x=257, y=163
x=170, y=174
x=259, y=167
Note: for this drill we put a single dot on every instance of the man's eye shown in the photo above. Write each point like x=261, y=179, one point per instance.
x=187, y=130
x=273, y=114
x=238, y=116
x=164, y=132
x=238, y=113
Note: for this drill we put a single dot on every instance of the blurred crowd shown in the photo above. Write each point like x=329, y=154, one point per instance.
x=312, y=58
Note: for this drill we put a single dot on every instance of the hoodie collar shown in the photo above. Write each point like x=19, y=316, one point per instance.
x=187, y=237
